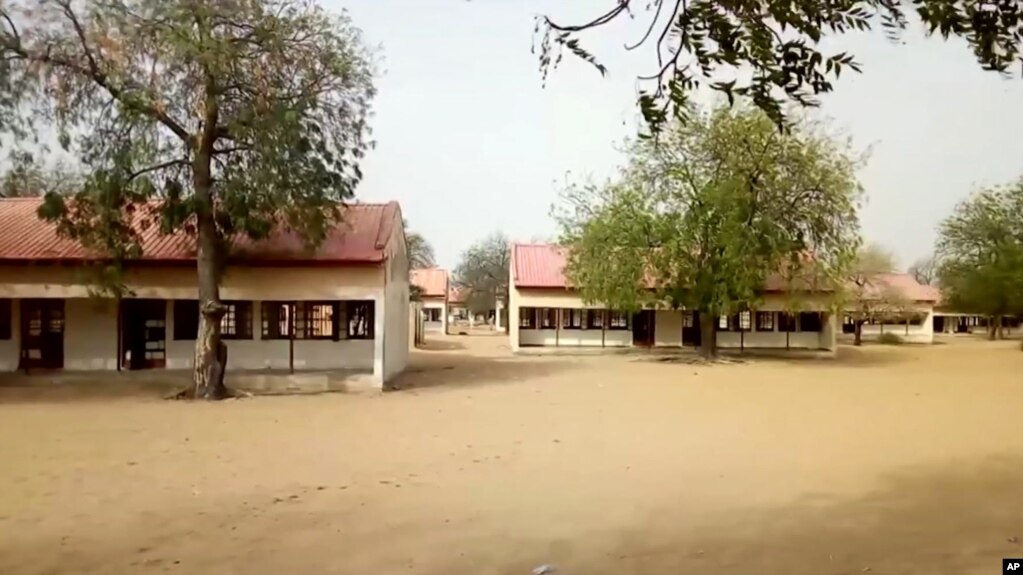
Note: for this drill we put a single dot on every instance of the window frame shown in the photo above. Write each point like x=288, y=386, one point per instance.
x=819, y=321
x=6, y=319
x=568, y=319
x=242, y=312
x=624, y=317
x=527, y=318
x=759, y=324
x=597, y=314
x=729, y=322
x=783, y=318
x=178, y=312
x=748, y=315
x=350, y=306
x=548, y=318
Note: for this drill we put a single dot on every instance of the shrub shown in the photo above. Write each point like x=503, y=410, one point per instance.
x=890, y=339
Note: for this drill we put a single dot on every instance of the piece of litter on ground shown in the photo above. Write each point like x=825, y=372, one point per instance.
x=543, y=570
x=865, y=569
x=1012, y=539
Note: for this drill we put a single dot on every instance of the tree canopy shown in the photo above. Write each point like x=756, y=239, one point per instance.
x=483, y=272
x=704, y=217
x=212, y=118
x=420, y=252
x=924, y=270
x=980, y=248
x=867, y=295
x=771, y=52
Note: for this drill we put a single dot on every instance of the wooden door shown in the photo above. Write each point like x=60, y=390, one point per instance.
x=643, y=328
x=42, y=334
x=691, y=328
x=144, y=324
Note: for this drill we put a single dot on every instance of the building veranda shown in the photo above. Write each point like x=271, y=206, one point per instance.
x=342, y=306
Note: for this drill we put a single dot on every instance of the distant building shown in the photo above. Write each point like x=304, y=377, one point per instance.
x=912, y=319
x=546, y=311
x=433, y=288
x=343, y=306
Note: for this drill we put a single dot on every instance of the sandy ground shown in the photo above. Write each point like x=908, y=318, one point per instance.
x=887, y=460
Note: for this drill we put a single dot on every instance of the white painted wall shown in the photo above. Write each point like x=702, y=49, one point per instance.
x=90, y=334
x=923, y=333
x=668, y=328
x=395, y=327
x=10, y=349
x=667, y=324
x=438, y=304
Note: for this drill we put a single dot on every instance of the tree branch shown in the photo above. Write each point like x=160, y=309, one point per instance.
x=14, y=29
x=167, y=164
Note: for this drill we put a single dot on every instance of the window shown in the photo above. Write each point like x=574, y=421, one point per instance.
x=548, y=318
x=318, y=320
x=360, y=316
x=527, y=317
x=786, y=321
x=237, y=320
x=186, y=319
x=572, y=318
x=745, y=320
x=725, y=323
x=619, y=320
x=810, y=321
x=5, y=319
x=765, y=321
x=688, y=319
x=595, y=319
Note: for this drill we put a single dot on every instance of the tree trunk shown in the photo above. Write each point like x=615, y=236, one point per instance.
x=210, y=352
x=858, y=333
x=992, y=329
x=1001, y=327
x=708, y=336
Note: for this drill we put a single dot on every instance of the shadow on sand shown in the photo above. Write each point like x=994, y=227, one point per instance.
x=457, y=370
x=960, y=517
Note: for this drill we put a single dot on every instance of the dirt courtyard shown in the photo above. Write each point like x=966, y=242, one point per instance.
x=886, y=460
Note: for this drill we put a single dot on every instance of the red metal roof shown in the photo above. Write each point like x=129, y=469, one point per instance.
x=360, y=238
x=433, y=282
x=543, y=266
x=906, y=284
x=539, y=266
x=456, y=295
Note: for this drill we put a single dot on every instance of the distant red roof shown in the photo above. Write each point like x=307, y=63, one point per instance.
x=433, y=282
x=361, y=238
x=456, y=295
x=539, y=266
x=543, y=266
x=906, y=284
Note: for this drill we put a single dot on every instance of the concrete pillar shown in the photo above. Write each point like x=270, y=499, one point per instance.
x=379, y=327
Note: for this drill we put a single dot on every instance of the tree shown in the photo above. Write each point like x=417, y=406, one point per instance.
x=483, y=273
x=217, y=119
x=420, y=252
x=924, y=270
x=26, y=178
x=770, y=51
x=869, y=296
x=981, y=253
x=704, y=217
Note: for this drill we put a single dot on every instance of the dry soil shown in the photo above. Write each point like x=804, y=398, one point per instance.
x=886, y=460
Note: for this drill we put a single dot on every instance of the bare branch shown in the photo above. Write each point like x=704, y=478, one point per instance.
x=160, y=166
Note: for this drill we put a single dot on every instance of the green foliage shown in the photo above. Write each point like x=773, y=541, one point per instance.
x=26, y=178
x=261, y=104
x=770, y=52
x=483, y=272
x=981, y=253
x=702, y=219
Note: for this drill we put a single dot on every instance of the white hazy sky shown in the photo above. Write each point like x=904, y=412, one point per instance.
x=469, y=142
